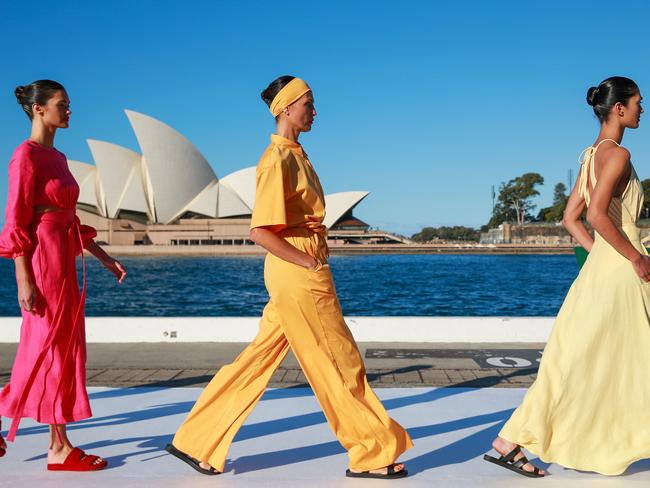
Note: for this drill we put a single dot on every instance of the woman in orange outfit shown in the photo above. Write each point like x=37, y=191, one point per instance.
x=303, y=314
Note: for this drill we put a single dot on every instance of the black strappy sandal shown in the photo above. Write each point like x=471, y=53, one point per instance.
x=190, y=460
x=391, y=474
x=517, y=466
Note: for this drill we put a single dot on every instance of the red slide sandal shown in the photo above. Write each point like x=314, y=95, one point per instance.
x=78, y=460
x=3, y=447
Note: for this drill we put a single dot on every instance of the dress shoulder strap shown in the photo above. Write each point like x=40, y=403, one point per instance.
x=587, y=169
x=597, y=145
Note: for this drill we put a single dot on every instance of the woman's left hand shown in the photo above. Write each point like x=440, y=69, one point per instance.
x=117, y=268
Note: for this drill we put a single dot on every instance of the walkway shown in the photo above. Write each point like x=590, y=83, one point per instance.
x=286, y=443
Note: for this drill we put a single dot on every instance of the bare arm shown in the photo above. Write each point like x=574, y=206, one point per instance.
x=618, y=164
x=110, y=263
x=571, y=218
x=93, y=248
x=281, y=248
x=25, y=281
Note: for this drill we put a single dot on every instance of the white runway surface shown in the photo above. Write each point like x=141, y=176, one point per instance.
x=287, y=443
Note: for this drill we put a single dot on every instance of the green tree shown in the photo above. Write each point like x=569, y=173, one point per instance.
x=559, y=194
x=645, y=211
x=455, y=233
x=425, y=235
x=501, y=214
x=555, y=212
x=515, y=199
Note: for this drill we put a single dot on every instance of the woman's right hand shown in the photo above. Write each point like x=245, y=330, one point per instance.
x=280, y=248
x=642, y=267
x=27, y=295
x=311, y=262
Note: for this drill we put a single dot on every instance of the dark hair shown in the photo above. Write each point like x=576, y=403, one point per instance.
x=274, y=87
x=38, y=92
x=611, y=91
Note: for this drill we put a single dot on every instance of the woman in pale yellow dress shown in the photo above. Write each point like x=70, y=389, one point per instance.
x=589, y=408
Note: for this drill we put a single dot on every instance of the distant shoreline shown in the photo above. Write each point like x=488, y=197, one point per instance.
x=351, y=249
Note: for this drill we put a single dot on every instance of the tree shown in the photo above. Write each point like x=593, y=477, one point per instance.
x=515, y=199
x=501, y=214
x=645, y=211
x=425, y=235
x=556, y=211
x=559, y=194
x=455, y=233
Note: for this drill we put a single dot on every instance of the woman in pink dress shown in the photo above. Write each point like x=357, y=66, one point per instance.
x=43, y=236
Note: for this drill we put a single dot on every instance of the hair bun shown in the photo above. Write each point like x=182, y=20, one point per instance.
x=592, y=94
x=19, y=92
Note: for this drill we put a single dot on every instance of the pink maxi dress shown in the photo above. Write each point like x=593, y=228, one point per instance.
x=48, y=379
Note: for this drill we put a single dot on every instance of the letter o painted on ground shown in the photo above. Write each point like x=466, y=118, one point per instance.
x=508, y=362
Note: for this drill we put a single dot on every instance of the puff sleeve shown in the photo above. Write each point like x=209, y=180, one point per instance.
x=85, y=237
x=270, y=210
x=15, y=237
x=88, y=233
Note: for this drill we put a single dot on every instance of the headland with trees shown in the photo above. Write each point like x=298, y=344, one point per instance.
x=515, y=207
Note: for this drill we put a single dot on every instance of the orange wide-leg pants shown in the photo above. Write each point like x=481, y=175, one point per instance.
x=303, y=314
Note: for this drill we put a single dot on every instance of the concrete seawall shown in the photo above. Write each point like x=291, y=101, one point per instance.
x=252, y=250
x=365, y=329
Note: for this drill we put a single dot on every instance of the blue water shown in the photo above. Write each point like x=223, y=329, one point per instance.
x=395, y=285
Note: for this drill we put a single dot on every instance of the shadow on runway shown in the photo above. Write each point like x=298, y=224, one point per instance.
x=128, y=417
x=293, y=391
x=459, y=451
x=638, y=467
x=153, y=445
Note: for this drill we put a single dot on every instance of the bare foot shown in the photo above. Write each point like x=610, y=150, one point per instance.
x=503, y=447
x=60, y=454
x=205, y=465
x=397, y=468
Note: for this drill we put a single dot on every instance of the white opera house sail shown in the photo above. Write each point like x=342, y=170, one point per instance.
x=168, y=193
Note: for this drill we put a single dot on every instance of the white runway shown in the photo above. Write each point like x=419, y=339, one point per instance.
x=287, y=443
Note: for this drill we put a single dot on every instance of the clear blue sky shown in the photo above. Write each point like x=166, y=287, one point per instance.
x=424, y=104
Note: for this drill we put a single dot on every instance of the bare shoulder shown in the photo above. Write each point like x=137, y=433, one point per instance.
x=611, y=151
x=613, y=157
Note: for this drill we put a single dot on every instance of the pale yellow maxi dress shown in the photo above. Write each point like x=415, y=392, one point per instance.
x=589, y=408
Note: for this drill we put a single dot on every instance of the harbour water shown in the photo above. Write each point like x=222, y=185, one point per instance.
x=371, y=285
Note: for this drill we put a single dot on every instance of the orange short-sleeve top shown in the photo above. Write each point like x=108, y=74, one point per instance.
x=288, y=193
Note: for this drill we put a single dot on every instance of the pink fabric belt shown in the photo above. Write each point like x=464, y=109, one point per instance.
x=66, y=219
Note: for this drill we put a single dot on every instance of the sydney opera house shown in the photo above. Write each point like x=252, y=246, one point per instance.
x=169, y=194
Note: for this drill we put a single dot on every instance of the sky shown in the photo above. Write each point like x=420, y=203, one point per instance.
x=425, y=104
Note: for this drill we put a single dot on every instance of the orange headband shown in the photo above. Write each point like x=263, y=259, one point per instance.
x=291, y=92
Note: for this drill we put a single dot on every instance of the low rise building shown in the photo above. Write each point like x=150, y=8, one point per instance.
x=547, y=234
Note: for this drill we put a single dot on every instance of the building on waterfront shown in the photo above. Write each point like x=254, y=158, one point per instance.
x=169, y=195
x=536, y=233
x=547, y=234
